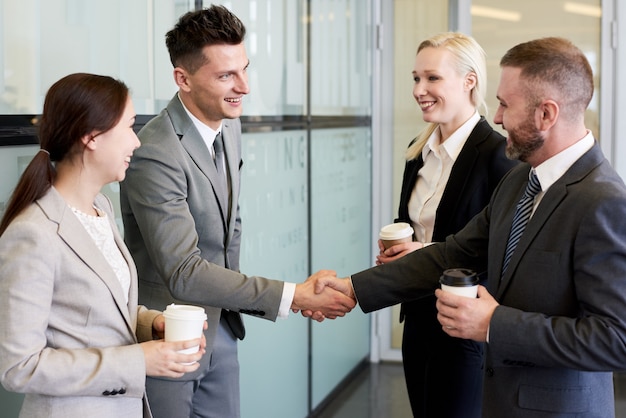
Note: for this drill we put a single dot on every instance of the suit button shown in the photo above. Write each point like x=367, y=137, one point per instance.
x=489, y=372
x=122, y=391
x=106, y=393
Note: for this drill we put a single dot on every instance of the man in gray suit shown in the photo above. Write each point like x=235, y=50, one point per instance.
x=181, y=215
x=554, y=318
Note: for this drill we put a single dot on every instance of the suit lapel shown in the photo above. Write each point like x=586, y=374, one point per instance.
x=72, y=232
x=553, y=197
x=551, y=200
x=196, y=148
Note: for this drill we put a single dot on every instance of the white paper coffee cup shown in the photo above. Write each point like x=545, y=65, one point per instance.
x=462, y=282
x=394, y=234
x=184, y=322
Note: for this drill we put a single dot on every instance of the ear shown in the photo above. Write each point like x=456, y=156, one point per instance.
x=470, y=81
x=547, y=114
x=89, y=140
x=181, y=79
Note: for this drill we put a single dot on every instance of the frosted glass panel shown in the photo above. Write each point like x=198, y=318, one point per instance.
x=274, y=210
x=341, y=57
x=274, y=203
x=42, y=41
x=340, y=240
x=275, y=43
x=13, y=161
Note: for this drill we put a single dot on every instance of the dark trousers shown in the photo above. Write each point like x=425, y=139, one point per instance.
x=444, y=375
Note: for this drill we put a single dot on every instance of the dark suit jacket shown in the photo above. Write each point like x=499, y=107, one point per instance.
x=474, y=176
x=560, y=329
x=183, y=235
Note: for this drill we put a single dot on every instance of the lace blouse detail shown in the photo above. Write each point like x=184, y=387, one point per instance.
x=100, y=231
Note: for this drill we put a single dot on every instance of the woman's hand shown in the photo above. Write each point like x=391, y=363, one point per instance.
x=163, y=358
x=395, y=252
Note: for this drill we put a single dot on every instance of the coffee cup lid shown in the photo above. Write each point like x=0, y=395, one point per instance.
x=396, y=231
x=174, y=311
x=459, y=277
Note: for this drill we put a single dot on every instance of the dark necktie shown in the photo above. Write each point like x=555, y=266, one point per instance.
x=522, y=215
x=220, y=166
x=218, y=148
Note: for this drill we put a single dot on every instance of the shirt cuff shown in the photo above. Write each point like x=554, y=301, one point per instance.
x=289, y=290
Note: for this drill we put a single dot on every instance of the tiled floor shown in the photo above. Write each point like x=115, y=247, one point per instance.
x=378, y=391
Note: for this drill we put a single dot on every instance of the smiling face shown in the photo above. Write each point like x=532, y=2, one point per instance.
x=441, y=92
x=517, y=117
x=115, y=146
x=215, y=91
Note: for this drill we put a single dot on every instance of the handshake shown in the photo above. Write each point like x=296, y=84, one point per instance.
x=324, y=295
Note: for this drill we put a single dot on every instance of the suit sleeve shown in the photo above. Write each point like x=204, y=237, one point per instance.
x=417, y=274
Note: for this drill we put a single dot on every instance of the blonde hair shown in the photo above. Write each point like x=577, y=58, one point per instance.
x=468, y=57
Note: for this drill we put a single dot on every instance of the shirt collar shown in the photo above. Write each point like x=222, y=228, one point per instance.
x=207, y=134
x=454, y=144
x=554, y=167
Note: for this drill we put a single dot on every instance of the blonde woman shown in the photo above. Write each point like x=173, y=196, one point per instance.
x=452, y=168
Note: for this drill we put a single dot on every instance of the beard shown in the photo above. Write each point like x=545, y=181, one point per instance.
x=523, y=140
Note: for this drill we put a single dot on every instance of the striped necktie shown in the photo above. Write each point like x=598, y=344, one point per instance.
x=522, y=215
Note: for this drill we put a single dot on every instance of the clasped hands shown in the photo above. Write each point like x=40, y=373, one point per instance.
x=323, y=295
x=459, y=316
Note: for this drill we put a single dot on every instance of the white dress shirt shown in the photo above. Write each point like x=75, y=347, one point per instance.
x=433, y=177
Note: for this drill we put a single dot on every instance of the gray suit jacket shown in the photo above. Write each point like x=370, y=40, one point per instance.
x=184, y=236
x=561, y=327
x=68, y=338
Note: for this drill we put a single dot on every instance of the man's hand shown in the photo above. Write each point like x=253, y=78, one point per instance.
x=464, y=317
x=318, y=298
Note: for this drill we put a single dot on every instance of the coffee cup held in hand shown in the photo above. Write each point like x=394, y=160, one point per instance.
x=462, y=282
x=184, y=322
x=394, y=234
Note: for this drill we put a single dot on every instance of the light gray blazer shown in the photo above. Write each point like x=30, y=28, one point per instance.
x=181, y=231
x=68, y=338
x=561, y=327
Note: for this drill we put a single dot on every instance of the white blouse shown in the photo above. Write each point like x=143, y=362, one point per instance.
x=432, y=178
x=100, y=231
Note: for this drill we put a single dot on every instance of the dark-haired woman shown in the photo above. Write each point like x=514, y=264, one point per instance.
x=73, y=338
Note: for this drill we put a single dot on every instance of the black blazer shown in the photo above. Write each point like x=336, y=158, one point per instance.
x=474, y=176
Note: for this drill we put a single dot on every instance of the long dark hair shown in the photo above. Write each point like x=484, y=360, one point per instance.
x=75, y=106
